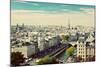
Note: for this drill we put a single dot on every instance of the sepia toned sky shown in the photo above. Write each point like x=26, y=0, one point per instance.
x=40, y=13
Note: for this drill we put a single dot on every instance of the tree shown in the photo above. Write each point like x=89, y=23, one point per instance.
x=47, y=60
x=69, y=45
x=70, y=50
x=17, y=58
x=75, y=45
x=65, y=37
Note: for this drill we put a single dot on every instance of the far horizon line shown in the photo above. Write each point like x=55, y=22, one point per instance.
x=49, y=25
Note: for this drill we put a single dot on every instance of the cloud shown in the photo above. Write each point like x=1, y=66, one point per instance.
x=88, y=10
x=33, y=11
x=35, y=4
x=26, y=11
x=23, y=1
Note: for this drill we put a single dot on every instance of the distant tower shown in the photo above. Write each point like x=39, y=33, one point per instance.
x=68, y=24
x=23, y=26
x=17, y=25
x=17, y=28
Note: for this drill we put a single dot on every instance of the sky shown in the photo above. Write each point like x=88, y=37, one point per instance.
x=87, y=2
x=42, y=13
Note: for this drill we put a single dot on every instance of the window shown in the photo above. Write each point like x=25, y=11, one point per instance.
x=79, y=52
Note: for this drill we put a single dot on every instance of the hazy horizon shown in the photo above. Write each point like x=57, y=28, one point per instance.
x=39, y=13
